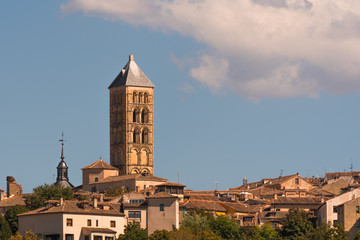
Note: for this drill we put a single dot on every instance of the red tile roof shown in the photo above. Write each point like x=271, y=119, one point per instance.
x=139, y=177
x=77, y=207
x=161, y=195
x=100, y=164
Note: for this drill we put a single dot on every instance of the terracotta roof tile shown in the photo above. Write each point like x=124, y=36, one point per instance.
x=161, y=195
x=205, y=205
x=171, y=184
x=14, y=200
x=76, y=207
x=100, y=164
x=139, y=177
x=88, y=230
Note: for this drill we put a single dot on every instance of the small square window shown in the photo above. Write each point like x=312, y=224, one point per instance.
x=69, y=222
x=89, y=222
x=112, y=224
x=335, y=209
x=161, y=207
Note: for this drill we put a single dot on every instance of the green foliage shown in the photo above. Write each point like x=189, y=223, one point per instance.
x=133, y=231
x=267, y=232
x=11, y=217
x=196, y=223
x=110, y=192
x=340, y=233
x=47, y=192
x=357, y=236
x=5, y=230
x=225, y=227
x=29, y=235
x=160, y=235
x=182, y=234
x=296, y=224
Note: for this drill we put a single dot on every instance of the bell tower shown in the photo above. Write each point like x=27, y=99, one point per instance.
x=131, y=121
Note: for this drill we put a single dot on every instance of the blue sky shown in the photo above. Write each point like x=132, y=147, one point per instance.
x=229, y=101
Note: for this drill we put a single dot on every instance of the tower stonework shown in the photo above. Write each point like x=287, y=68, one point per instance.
x=131, y=121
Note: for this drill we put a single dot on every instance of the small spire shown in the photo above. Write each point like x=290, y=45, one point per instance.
x=62, y=146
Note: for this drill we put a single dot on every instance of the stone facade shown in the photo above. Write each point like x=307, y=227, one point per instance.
x=131, y=121
x=349, y=216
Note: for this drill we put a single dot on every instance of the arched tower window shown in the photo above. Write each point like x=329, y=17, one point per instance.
x=136, y=115
x=146, y=98
x=135, y=97
x=136, y=136
x=144, y=116
x=145, y=136
x=141, y=97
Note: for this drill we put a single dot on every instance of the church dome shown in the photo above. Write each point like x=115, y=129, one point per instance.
x=62, y=164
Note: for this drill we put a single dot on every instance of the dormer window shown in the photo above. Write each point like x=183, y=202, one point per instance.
x=96, y=179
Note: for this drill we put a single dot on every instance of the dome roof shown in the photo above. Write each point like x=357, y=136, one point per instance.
x=62, y=164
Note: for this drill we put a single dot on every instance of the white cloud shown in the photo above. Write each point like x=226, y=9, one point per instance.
x=270, y=40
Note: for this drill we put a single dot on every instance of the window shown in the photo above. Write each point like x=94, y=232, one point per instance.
x=97, y=223
x=144, y=116
x=134, y=97
x=146, y=98
x=357, y=209
x=335, y=222
x=136, y=136
x=161, y=207
x=89, y=222
x=96, y=179
x=145, y=136
x=87, y=237
x=335, y=209
x=296, y=180
x=247, y=219
x=112, y=224
x=69, y=236
x=69, y=222
x=136, y=115
x=134, y=214
x=278, y=209
x=109, y=238
x=97, y=237
x=136, y=201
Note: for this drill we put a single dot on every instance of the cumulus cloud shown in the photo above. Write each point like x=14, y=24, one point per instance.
x=258, y=48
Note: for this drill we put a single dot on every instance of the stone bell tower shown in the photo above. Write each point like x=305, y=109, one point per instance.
x=131, y=121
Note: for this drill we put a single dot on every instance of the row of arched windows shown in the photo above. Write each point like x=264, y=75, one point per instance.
x=140, y=97
x=141, y=118
x=142, y=137
x=116, y=117
x=140, y=157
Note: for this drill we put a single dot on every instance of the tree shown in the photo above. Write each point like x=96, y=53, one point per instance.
x=160, y=235
x=197, y=223
x=47, y=192
x=296, y=224
x=225, y=227
x=110, y=192
x=267, y=232
x=29, y=235
x=5, y=230
x=357, y=236
x=11, y=217
x=182, y=234
x=133, y=231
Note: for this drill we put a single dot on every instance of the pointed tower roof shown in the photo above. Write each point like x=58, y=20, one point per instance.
x=131, y=75
x=62, y=169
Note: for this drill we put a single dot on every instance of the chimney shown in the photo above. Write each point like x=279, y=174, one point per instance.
x=322, y=199
x=101, y=197
x=131, y=57
x=245, y=182
x=275, y=196
x=61, y=201
x=2, y=194
x=95, y=202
